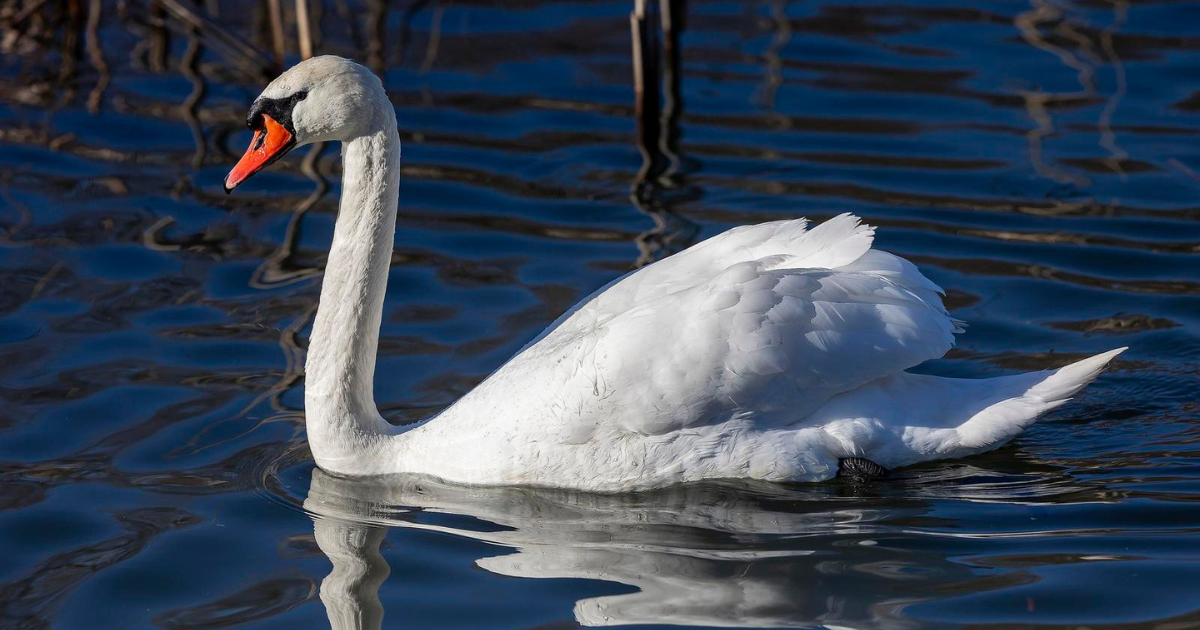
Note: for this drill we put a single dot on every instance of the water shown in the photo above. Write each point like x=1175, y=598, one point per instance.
x=1037, y=160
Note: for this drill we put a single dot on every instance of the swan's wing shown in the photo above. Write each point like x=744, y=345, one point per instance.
x=832, y=244
x=768, y=340
x=698, y=264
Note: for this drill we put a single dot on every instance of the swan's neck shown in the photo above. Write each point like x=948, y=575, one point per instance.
x=339, y=405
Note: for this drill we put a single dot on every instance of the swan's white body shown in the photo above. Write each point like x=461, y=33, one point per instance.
x=767, y=352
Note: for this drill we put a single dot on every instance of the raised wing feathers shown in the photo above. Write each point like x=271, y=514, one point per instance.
x=766, y=339
x=834, y=243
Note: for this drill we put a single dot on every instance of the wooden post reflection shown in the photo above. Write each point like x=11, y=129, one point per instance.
x=658, y=126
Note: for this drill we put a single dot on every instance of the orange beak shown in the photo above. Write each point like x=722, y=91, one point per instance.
x=269, y=143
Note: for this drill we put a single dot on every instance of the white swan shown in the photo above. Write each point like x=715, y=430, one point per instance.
x=769, y=352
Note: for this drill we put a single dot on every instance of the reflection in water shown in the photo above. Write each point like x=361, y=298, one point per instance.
x=1108, y=138
x=1075, y=49
x=188, y=66
x=351, y=591
x=31, y=601
x=711, y=555
x=661, y=182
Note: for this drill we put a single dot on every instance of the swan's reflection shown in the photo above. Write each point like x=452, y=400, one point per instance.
x=710, y=556
x=351, y=591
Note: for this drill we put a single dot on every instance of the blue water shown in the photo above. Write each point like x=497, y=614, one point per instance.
x=1040, y=161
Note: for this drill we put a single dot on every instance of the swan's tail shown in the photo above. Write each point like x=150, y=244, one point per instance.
x=925, y=417
x=1036, y=393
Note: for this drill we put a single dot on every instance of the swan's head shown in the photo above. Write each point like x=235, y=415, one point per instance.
x=319, y=100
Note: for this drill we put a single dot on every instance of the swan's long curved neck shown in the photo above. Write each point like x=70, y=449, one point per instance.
x=339, y=404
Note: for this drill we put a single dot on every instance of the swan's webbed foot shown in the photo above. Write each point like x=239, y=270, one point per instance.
x=860, y=469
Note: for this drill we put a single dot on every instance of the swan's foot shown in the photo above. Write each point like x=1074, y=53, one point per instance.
x=860, y=469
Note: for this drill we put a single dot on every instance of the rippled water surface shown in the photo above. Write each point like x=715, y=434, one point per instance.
x=1039, y=160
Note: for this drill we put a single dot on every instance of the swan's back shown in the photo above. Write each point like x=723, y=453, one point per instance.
x=767, y=352
x=763, y=323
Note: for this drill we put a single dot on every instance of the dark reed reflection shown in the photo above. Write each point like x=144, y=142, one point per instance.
x=661, y=182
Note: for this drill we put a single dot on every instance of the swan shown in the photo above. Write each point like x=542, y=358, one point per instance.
x=773, y=352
